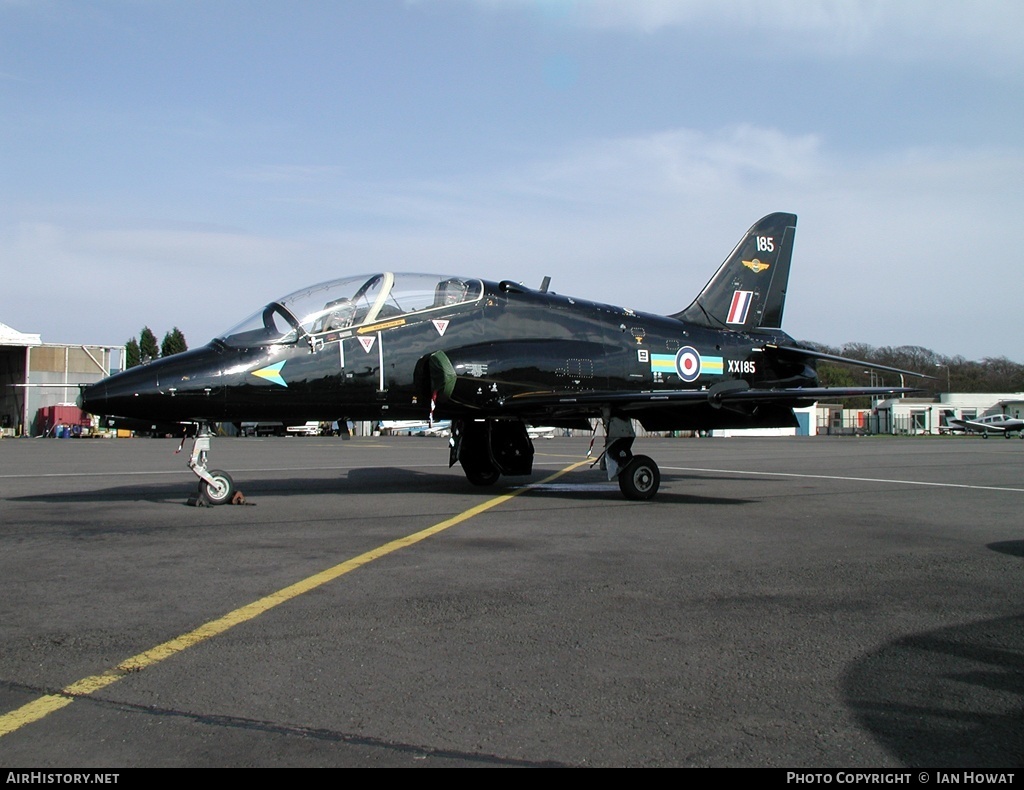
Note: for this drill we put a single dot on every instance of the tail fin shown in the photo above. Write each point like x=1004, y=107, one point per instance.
x=749, y=290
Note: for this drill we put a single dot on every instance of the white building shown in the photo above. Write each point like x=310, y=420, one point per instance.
x=930, y=415
x=806, y=426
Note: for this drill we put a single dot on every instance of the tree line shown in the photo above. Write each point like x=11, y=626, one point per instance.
x=949, y=374
x=144, y=348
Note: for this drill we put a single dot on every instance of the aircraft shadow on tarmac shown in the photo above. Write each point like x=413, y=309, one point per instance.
x=388, y=480
x=951, y=697
x=1015, y=548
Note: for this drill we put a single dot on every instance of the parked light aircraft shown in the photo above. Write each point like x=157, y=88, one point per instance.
x=495, y=357
x=992, y=423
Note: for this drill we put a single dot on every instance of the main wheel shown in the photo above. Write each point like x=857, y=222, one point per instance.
x=481, y=476
x=640, y=478
x=222, y=490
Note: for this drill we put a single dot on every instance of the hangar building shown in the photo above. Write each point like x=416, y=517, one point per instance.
x=26, y=360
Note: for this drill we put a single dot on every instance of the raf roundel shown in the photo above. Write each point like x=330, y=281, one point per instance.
x=688, y=363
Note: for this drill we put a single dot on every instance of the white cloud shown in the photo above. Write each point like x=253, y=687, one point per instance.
x=887, y=247
x=939, y=30
x=87, y=285
x=884, y=246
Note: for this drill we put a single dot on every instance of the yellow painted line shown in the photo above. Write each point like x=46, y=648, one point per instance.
x=44, y=706
x=33, y=711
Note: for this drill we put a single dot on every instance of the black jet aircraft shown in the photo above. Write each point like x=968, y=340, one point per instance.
x=494, y=358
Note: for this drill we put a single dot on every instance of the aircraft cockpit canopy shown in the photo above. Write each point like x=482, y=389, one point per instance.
x=353, y=301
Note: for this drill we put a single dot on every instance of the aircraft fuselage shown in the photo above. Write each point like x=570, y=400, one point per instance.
x=510, y=341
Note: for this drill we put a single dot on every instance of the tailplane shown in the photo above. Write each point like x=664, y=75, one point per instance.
x=749, y=290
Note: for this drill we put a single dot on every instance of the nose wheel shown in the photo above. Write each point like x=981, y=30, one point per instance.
x=215, y=485
x=221, y=490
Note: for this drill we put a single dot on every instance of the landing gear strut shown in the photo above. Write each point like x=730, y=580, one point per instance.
x=639, y=477
x=215, y=486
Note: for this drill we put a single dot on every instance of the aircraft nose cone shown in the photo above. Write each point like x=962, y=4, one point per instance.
x=93, y=399
x=122, y=394
x=185, y=386
x=83, y=400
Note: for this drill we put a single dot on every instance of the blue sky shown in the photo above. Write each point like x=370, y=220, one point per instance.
x=179, y=163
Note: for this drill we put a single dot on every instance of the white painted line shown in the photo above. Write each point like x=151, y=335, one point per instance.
x=841, y=477
x=571, y=487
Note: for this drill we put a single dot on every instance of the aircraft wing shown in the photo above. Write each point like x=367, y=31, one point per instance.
x=727, y=393
x=799, y=351
x=981, y=427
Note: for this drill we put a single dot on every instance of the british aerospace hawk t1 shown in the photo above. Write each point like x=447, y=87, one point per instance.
x=495, y=358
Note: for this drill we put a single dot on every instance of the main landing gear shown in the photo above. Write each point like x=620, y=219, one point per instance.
x=488, y=449
x=639, y=477
x=215, y=486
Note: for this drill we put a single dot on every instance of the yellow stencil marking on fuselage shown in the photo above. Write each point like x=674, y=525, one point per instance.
x=45, y=705
x=377, y=327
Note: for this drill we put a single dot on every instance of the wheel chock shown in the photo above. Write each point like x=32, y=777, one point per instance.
x=200, y=500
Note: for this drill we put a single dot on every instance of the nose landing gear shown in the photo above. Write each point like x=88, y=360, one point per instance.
x=215, y=485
